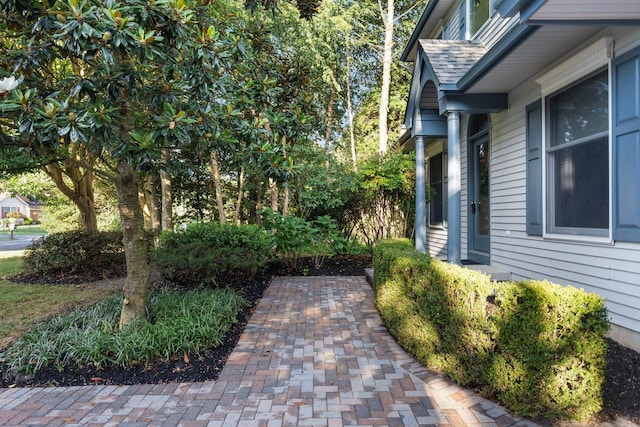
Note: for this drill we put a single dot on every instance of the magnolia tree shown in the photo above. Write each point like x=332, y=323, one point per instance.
x=112, y=79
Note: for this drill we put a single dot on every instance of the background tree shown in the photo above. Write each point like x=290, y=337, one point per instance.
x=124, y=65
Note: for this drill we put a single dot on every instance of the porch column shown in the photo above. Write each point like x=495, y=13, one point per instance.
x=453, y=194
x=421, y=203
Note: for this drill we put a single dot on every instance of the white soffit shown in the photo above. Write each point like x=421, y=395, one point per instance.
x=536, y=53
x=594, y=10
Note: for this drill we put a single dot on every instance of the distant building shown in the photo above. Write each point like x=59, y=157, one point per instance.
x=30, y=208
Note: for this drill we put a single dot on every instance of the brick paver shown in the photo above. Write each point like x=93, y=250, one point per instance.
x=315, y=353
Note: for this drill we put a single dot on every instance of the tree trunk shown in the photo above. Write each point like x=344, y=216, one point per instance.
x=285, y=203
x=258, y=202
x=136, y=285
x=81, y=194
x=215, y=167
x=166, y=191
x=236, y=214
x=350, y=115
x=153, y=206
x=273, y=188
x=327, y=136
x=387, y=19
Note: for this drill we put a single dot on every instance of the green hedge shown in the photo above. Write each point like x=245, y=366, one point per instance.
x=74, y=252
x=537, y=347
x=213, y=254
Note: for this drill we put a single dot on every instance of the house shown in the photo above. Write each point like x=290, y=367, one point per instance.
x=525, y=119
x=31, y=209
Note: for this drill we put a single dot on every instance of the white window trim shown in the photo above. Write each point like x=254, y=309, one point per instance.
x=596, y=56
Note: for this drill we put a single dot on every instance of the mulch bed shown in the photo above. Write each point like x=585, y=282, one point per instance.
x=622, y=376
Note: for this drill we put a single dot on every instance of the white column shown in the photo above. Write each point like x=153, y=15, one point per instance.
x=454, y=185
x=421, y=203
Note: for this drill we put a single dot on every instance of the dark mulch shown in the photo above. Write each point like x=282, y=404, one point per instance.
x=622, y=376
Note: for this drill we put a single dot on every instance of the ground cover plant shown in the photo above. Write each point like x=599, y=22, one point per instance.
x=537, y=347
x=179, y=323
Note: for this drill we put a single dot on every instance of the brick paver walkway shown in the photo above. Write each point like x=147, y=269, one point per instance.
x=314, y=353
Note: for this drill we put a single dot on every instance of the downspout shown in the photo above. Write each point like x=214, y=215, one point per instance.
x=454, y=186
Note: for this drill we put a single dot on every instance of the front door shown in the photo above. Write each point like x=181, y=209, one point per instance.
x=479, y=212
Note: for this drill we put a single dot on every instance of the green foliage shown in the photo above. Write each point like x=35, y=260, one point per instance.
x=179, y=323
x=59, y=216
x=74, y=252
x=537, y=346
x=387, y=196
x=295, y=237
x=213, y=254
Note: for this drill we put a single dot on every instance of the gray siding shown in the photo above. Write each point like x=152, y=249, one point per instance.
x=493, y=29
x=612, y=271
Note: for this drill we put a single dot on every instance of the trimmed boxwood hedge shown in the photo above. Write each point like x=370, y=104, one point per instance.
x=537, y=347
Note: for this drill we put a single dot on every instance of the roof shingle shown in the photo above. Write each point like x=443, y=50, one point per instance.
x=451, y=59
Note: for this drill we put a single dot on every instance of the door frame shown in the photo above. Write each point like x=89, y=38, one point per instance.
x=479, y=130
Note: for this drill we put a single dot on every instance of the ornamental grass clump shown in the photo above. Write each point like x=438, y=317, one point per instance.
x=178, y=323
x=536, y=346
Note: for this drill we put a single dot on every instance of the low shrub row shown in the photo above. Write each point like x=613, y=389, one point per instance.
x=537, y=347
x=74, y=252
x=213, y=254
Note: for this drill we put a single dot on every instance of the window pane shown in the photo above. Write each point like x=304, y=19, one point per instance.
x=478, y=14
x=580, y=111
x=437, y=193
x=581, y=180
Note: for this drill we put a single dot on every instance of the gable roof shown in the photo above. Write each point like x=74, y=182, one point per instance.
x=31, y=204
x=450, y=60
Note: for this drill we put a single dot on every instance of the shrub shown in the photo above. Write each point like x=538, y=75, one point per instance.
x=213, y=254
x=295, y=237
x=179, y=323
x=536, y=346
x=74, y=252
x=17, y=215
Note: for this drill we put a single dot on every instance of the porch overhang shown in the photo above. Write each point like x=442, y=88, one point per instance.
x=539, y=12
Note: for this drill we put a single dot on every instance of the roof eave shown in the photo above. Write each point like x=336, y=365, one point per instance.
x=506, y=45
x=415, y=36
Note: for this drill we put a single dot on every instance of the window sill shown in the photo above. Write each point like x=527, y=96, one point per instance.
x=588, y=240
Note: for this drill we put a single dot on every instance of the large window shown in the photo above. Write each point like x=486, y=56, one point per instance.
x=436, y=182
x=578, y=158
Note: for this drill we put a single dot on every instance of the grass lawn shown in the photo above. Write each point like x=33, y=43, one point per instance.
x=25, y=230
x=22, y=306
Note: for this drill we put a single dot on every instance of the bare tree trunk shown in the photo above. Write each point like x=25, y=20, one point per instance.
x=236, y=214
x=258, y=202
x=327, y=137
x=215, y=167
x=285, y=202
x=136, y=285
x=350, y=115
x=388, y=20
x=81, y=195
x=152, y=206
x=273, y=188
x=166, y=190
